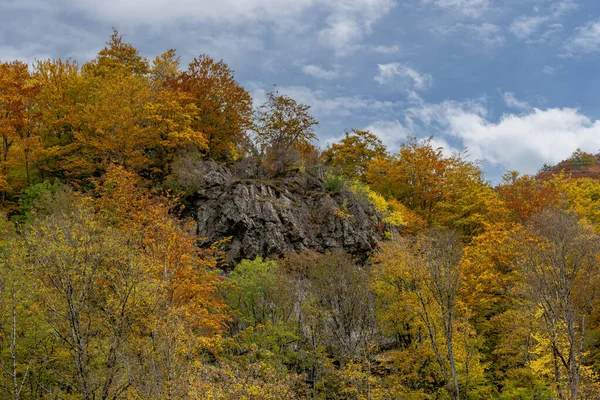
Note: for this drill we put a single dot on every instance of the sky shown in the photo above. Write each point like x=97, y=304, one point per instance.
x=512, y=82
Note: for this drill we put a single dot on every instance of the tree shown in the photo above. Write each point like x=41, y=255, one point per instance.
x=22, y=332
x=351, y=155
x=560, y=264
x=525, y=196
x=282, y=126
x=111, y=125
x=223, y=109
x=262, y=294
x=418, y=283
x=188, y=315
x=444, y=190
x=91, y=280
x=62, y=92
x=340, y=289
x=171, y=115
x=117, y=54
x=580, y=159
x=18, y=114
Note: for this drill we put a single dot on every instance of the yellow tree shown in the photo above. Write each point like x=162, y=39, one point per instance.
x=58, y=99
x=18, y=113
x=560, y=266
x=113, y=128
x=351, y=155
x=418, y=284
x=188, y=313
x=118, y=54
x=172, y=114
x=444, y=190
x=488, y=292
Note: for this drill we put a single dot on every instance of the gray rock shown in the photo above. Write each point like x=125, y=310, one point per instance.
x=269, y=217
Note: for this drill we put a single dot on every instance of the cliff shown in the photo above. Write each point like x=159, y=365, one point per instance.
x=269, y=217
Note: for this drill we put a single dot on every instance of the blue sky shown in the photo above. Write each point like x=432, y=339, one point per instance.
x=514, y=81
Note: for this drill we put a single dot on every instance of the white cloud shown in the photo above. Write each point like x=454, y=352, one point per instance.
x=161, y=11
x=548, y=70
x=524, y=27
x=542, y=27
x=586, y=39
x=469, y=8
x=322, y=104
x=395, y=72
x=392, y=49
x=522, y=142
x=391, y=133
x=321, y=73
x=342, y=30
x=346, y=22
x=512, y=102
x=489, y=34
x=351, y=20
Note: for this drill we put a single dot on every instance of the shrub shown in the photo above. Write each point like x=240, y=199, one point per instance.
x=335, y=183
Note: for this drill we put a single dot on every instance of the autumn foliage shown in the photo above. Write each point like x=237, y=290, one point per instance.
x=473, y=291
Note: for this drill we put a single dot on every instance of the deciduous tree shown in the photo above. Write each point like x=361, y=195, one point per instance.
x=282, y=127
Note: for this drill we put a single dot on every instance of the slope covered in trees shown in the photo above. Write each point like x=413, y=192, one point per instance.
x=110, y=169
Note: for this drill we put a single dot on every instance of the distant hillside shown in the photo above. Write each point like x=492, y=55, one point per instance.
x=579, y=165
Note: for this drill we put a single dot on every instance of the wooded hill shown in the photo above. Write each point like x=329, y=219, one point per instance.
x=164, y=238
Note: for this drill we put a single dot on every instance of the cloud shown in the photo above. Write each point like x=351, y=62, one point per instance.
x=317, y=72
x=394, y=73
x=160, y=11
x=522, y=142
x=512, y=102
x=391, y=49
x=345, y=22
x=391, y=133
x=548, y=70
x=340, y=24
x=469, y=8
x=523, y=27
x=43, y=37
x=350, y=20
x=542, y=27
x=322, y=104
x=490, y=35
x=586, y=39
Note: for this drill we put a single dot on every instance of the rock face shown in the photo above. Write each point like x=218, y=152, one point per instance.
x=269, y=217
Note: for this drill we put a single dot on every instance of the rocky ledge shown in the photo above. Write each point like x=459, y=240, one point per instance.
x=268, y=217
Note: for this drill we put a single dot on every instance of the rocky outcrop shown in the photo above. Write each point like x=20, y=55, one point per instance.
x=269, y=217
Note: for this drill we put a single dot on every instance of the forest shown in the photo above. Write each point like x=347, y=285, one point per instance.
x=475, y=290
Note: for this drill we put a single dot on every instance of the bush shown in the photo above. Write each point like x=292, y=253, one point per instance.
x=32, y=197
x=335, y=183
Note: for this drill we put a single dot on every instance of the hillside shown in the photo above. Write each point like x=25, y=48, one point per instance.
x=579, y=165
x=163, y=237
